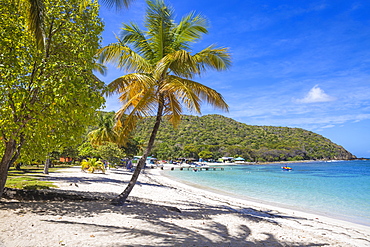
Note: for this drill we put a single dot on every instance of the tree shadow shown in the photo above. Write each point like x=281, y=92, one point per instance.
x=167, y=226
x=164, y=222
x=91, y=180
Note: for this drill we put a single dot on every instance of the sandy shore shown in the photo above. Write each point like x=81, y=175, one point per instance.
x=150, y=218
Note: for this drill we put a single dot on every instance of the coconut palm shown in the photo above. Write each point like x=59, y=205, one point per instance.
x=34, y=11
x=162, y=69
x=105, y=131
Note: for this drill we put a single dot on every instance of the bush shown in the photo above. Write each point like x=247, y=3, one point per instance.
x=92, y=165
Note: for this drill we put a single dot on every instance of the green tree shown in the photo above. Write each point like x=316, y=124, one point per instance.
x=132, y=147
x=46, y=98
x=191, y=151
x=111, y=153
x=163, y=68
x=35, y=14
x=87, y=150
x=205, y=154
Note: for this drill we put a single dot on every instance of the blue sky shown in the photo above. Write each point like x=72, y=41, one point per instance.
x=302, y=64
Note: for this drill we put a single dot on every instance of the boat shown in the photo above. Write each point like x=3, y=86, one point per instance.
x=287, y=168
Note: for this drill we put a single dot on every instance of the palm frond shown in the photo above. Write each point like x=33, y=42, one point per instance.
x=143, y=102
x=180, y=62
x=132, y=82
x=124, y=57
x=35, y=21
x=119, y=4
x=193, y=93
x=159, y=23
x=186, y=94
x=173, y=109
x=183, y=64
x=132, y=35
x=137, y=107
x=213, y=58
x=190, y=29
x=98, y=67
x=137, y=93
x=105, y=132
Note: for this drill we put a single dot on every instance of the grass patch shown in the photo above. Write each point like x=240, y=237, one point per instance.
x=28, y=183
x=29, y=178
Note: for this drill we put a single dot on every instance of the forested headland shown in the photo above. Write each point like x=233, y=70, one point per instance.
x=214, y=136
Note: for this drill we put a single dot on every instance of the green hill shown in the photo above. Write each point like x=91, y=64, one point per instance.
x=214, y=136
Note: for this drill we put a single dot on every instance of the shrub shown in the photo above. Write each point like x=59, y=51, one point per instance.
x=92, y=165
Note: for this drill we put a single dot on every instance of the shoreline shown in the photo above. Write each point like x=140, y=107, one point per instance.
x=266, y=205
x=263, y=203
x=201, y=218
x=272, y=162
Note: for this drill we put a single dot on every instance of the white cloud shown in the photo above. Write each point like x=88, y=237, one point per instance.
x=328, y=126
x=316, y=95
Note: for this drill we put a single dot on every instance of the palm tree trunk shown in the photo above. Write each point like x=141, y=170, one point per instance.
x=121, y=198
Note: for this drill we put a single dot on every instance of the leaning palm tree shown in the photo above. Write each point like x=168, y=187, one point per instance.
x=162, y=67
x=34, y=11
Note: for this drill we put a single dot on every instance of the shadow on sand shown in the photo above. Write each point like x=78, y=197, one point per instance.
x=166, y=223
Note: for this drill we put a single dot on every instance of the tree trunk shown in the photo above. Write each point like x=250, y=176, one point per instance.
x=121, y=198
x=47, y=165
x=6, y=162
x=11, y=153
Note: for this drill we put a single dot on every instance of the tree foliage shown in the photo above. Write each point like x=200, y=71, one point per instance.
x=111, y=153
x=48, y=96
x=106, y=141
x=104, y=132
x=35, y=14
x=92, y=165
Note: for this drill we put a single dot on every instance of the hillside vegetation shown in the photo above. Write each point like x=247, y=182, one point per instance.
x=214, y=136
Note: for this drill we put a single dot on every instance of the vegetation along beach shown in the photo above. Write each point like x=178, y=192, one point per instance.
x=184, y=123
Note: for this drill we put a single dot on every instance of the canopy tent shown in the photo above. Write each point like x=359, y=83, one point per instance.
x=227, y=158
x=239, y=159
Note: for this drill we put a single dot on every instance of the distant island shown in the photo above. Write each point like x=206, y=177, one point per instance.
x=214, y=136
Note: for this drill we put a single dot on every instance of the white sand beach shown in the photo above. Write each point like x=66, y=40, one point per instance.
x=151, y=219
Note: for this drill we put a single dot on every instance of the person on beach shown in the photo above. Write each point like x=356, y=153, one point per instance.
x=129, y=165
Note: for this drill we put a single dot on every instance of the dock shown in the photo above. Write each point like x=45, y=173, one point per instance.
x=189, y=168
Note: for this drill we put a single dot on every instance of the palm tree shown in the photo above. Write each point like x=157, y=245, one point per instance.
x=92, y=165
x=35, y=9
x=105, y=131
x=162, y=71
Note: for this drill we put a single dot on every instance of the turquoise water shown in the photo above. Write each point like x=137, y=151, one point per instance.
x=339, y=189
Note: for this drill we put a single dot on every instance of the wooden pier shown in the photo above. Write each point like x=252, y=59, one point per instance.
x=189, y=168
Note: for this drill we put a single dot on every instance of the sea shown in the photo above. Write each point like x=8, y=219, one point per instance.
x=336, y=189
